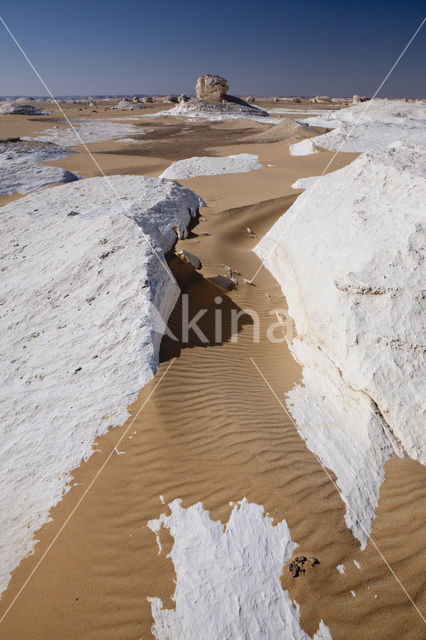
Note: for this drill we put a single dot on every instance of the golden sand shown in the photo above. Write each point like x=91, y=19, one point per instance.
x=213, y=432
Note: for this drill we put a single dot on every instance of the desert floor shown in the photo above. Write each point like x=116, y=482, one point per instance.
x=213, y=431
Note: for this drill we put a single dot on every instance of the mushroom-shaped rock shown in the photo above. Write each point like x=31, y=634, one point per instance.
x=211, y=87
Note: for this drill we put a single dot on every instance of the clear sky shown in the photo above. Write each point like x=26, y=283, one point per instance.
x=262, y=48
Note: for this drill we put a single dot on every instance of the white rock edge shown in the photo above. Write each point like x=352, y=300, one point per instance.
x=83, y=300
x=212, y=166
x=352, y=267
x=23, y=173
x=373, y=125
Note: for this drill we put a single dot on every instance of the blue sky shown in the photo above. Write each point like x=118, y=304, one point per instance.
x=263, y=48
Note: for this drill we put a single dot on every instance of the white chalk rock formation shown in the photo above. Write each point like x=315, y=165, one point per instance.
x=376, y=124
x=211, y=87
x=211, y=166
x=228, y=577
x=320, y=99
x=21, y=171
x=357, y=99
x=304, y=183
x=128, y=105
x=304, y=147
x=24, y=177
x=18, y=108
x=349, y=255
x=85, y=294
x=190, y=258
x=220, y=111
x=88, y=130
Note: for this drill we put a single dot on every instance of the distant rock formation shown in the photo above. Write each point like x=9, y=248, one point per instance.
x=135, y=99
x=357, y=99
x=183, y=98
x=250, y=99
x=211, y=87
x=20, y=109
x=232, y=107
x=147, y=99
x=170, y=99
x=127, y=105
x=320, y=99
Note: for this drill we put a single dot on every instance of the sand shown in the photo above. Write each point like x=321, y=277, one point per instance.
x=213, y=432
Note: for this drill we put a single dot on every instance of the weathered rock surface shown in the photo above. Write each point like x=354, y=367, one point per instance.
x=358, y=317
x=211, y=87
x=190, y=258
x=20, y=168
x=228, y=577
x=127, y=105
x=81, y=295
x=211, y=166
x=380, y=124
x=356, y=99
x=320, y=99
x=224, y=282
x=17, y=108
x=229, y=109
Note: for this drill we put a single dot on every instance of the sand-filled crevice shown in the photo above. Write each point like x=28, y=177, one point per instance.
x=212, y=433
